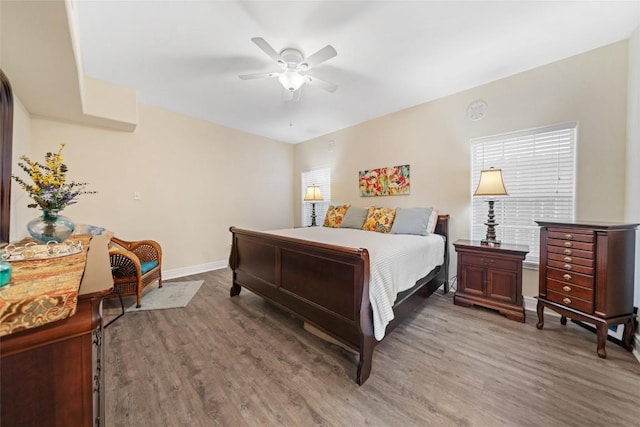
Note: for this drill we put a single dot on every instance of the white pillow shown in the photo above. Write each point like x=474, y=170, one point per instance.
x=433, y=220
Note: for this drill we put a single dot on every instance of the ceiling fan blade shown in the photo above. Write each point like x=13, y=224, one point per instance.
x=314, y=81
x=319, y=57
x=266, y=48
x=259, y=75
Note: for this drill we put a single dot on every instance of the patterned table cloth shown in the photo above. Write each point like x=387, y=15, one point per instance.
x=42, y=290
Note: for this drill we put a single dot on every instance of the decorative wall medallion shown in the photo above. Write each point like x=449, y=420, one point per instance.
x=476, y=110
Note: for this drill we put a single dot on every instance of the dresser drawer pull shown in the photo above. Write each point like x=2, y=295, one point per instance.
x=566, y=301
x=566, y=288
x=567, y=267
x=567, y=259
x=568, y=236
x=567, y=277
x=568, y=244
x=568, y=251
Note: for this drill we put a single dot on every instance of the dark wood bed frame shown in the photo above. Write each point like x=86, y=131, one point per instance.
x=325, y=285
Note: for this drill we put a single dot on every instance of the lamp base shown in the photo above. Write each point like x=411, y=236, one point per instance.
x=490, y=242
x=491, y=228
x=313, y=215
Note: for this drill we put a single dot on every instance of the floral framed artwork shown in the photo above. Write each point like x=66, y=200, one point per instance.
x=389, y=181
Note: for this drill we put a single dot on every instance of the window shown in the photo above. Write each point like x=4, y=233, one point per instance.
x=322, y=178
x=538, y=167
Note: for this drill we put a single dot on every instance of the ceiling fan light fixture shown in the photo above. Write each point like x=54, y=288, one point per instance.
x=291, y=80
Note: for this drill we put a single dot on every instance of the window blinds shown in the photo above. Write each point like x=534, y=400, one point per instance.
x=322, y=178
x=538, y=167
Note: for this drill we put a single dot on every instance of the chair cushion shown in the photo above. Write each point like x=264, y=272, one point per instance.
x=147, y=266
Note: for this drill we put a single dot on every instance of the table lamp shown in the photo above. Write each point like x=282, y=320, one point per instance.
x=491, y=184
x=313, y=195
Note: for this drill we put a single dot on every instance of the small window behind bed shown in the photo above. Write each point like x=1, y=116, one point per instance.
x=321, y=177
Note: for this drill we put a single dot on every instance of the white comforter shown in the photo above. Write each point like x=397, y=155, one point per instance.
x=397, y=261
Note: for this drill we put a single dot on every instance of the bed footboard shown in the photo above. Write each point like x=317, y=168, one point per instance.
x=321, y=284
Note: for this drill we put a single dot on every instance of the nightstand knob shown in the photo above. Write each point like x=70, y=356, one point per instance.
x=568, y=236
x=568, y=252
x=567, y=259
x=568, y=244
x=566, y=288
x=567, y=277
x=566, y=301
x=567, y=266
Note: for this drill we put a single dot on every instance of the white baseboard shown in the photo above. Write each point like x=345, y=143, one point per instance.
x=531, y=304
x=194, y=269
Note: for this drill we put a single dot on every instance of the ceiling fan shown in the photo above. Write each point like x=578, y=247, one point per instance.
x=294, y=66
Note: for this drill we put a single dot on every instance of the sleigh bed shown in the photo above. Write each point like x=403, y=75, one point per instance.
x=326, y=285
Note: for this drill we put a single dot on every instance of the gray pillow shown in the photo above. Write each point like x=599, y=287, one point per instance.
x=411, y=221
x=354, y=218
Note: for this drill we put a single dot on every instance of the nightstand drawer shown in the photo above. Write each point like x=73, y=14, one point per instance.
x=570, y=277
x=573, y=302
x=571, y=291
x=570, y=267
x=485, y=261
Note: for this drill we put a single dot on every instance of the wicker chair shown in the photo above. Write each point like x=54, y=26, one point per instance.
x=134, y=266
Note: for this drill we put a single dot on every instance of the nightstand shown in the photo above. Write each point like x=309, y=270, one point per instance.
x=491, y=276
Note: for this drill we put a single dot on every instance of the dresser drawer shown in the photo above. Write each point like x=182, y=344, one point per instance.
x=571, y=234
x=571, y=291
x=570, y=244
x=571, y=259
x=573, y=302
x=481, y=261
x=570, y=252
x=570, y=267
x=570, y=277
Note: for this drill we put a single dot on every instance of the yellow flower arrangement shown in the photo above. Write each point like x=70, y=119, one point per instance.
x=50, y=189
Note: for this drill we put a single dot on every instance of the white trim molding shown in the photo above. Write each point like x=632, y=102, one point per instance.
x=194, y=269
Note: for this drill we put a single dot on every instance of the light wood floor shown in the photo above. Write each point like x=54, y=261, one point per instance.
x=242, y=362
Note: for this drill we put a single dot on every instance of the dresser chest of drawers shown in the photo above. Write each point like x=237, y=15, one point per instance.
x=587, y=274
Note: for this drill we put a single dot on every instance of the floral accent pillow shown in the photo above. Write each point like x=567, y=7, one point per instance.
x=379, y=219
x=334, y=215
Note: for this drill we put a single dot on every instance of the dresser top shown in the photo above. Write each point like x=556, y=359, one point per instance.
x=587, y=224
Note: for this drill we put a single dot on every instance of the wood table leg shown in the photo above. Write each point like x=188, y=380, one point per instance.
x=563, y=320
x=540, y=309
x=602, y=339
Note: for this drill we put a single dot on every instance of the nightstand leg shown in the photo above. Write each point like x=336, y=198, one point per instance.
x=563, y=320
x=602, y=339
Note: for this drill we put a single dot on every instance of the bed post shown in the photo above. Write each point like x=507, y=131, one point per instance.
x=233, y=264
x=367, y=341
x=442, y=228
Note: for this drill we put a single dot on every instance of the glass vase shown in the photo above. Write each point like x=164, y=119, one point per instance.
x=50, y=226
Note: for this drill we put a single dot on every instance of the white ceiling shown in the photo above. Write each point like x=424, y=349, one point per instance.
x=185, y=56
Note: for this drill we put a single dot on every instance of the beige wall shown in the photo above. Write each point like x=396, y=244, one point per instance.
x=196, y=179
x=20, y=214
x=434, y=139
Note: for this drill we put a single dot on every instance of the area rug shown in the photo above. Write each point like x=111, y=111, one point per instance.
x=170, y=295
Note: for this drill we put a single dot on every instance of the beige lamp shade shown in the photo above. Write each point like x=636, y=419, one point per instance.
x=313, y=194
x=491, y=183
